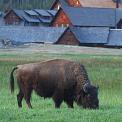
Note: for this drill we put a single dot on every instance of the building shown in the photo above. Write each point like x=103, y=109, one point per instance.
x=1, y=18
x=44, y=16
x=84, y=17
x=35, y=17
x=84, y=36
x=73, y=24
x=115, y=38
x=55, y=35
x=22, y=35
x=68, y=38
x=20, y=17
x=91, y=36
x=58, y=3
x=86, y=3
x=88, y=17
x=87, y=13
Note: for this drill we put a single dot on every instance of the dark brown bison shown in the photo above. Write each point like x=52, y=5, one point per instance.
x=59, y=79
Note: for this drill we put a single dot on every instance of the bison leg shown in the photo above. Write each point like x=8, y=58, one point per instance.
x=58, y=98
x=69, y=97
x=27, y=96
x=19, y=98
x=70, y=104
x=58, y=102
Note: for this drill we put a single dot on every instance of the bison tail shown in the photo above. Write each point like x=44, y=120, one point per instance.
x=12, y=79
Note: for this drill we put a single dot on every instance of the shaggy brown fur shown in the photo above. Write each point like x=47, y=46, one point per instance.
x=59, y=79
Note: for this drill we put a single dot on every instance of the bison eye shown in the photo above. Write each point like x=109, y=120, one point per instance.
x=88, y=96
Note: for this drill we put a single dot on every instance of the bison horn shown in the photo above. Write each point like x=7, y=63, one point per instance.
x=85, y=87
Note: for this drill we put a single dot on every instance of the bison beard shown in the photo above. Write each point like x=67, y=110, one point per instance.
x=59, y=79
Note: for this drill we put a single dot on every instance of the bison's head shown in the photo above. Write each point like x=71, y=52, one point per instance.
x=88, y=97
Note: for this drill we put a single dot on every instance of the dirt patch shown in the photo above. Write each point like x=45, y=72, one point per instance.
x=60, y=49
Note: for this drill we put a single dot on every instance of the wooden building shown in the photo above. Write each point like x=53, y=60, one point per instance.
x=58, y=3
x=84, y=36
x=86, y=17
x=12, y=18
x=22, y=35
x=86, y=3
x=21, y=17
x=36, y=17
x=91, y=36
x=115, y=38
x=68, y=38
x=52, y=35
x=61, y=19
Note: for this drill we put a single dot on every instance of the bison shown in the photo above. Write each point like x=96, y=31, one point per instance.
x=59, y=79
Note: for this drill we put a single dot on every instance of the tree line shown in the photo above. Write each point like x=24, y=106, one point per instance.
x=25, y=4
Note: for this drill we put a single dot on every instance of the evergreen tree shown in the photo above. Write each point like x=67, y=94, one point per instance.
x=25, y=4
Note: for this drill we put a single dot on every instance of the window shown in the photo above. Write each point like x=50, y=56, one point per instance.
x=58, y=7
x=62, y=25
x=12, y=17
x=16, y=23
x=67, y=25
x=56, y=25
x=77, y=2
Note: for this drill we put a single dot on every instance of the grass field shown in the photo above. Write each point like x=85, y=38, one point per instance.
x=103, y=70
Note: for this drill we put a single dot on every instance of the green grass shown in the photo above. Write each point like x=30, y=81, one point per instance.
x=105, y=71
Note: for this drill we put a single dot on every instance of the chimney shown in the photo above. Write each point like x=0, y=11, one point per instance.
x=117, y=3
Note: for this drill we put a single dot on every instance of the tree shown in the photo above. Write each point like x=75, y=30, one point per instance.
x=25, y=4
